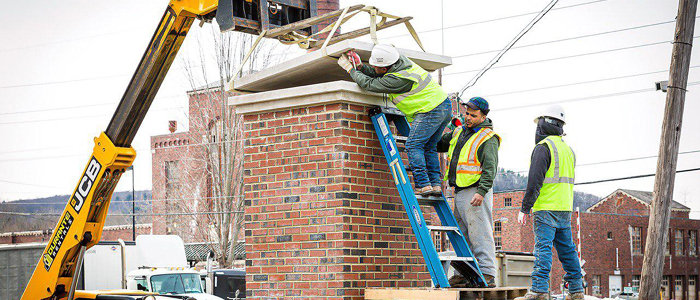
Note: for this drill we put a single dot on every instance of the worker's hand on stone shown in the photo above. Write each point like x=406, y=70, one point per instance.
x=477, y=200
x=522, y=218
x=354, y=58
x=345, y=63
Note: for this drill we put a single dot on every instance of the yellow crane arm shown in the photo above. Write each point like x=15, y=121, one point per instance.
x=82, y=220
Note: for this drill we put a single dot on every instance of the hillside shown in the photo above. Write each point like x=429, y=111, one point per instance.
x=507, y=180
x=120, y=204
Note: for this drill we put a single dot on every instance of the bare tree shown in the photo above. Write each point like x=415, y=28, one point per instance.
x=209, y=171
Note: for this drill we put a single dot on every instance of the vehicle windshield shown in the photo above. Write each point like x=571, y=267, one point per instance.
x=176, y=284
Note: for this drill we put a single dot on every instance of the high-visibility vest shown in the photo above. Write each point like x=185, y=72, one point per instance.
x=468, y=165
x=424, y=96
x=557, y=193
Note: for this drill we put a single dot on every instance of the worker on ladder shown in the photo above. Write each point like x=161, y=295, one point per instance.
x=418, y=96
x=472, y=151
x=550, y=194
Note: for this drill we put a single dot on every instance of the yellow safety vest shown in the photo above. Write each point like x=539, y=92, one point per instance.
x=424, y=96
x=468, y=166
x=557, y=193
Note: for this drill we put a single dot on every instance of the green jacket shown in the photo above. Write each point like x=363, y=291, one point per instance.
x=487, y=154
x=369, y=80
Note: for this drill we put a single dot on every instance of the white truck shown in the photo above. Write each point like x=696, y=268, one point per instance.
x=155, y=263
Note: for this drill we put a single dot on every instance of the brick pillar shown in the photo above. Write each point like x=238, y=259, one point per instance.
x=323, y=219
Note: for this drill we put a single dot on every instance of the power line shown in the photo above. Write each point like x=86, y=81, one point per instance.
x=498, y=56
x=78, y=106
x=81, y=117
x=588, y=98
x=583, y=82
x=572, y=38
x=69, y=40
x=499, y=19
x=619, y=160
x=130, y=215
x=632, y=177
x=566, y=57
x=29, y=184
x=130, y=201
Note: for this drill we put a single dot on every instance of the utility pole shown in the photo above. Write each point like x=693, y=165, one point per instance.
x=659, y=214
x=133, y=204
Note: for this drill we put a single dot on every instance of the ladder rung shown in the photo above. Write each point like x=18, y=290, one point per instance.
x=428, y=200
x=455, y=258
x=400, y=139
x=444, y=228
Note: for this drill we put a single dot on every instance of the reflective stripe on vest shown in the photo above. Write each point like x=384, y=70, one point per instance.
x=424, y=96
x=468, y=165
x=557, y=192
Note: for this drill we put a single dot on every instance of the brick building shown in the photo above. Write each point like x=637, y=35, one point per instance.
x=613, y=235
x=109, y=233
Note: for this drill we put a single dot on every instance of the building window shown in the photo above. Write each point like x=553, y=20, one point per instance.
x=693, y=242
x=610, y=236
x=636, y=240
x=497, y=234
x=635, y=282
x=596, y=286
x=692, y=282
x=679, y=242
x=437, y=240
x=678, y=287
x=508, y=202
x=665, y=288
x=667, y=251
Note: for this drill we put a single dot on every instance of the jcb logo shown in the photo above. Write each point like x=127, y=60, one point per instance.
x=85, y=185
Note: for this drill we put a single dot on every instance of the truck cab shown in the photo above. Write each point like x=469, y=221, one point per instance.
x=169, y=281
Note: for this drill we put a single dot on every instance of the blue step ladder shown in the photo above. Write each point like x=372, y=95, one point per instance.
x=463, y=260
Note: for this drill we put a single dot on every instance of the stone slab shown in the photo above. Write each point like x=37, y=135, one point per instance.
x=314, y=67
x=320, y=93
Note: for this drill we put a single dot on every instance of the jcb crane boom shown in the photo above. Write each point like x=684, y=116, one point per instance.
x=80, y=225
x=81, y=222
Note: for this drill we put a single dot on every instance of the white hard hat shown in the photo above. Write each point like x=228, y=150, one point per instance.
x=554, y=112
x=383, y=55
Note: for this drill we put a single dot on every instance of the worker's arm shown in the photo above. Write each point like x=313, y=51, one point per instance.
x=538, y=169
x=367, y=70
x=444, y=143
x=387, y=84
x=489, y=165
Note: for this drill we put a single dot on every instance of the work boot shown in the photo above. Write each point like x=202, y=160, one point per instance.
x=534, y=296
x=437, y=191
x=575, y=296
x=457, y=281
x=490, y=281
x=424, y=191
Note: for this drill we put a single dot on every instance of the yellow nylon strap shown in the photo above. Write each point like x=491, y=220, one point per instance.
x=250, y=51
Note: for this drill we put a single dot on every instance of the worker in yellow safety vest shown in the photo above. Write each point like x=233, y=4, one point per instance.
x=550, y=194
x=472, y=165
x=414, y=91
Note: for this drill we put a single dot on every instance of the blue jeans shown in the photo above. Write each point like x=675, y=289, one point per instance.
x=554, y=227
x=426, y=131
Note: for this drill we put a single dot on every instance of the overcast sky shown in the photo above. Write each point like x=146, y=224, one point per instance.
x=65, y=66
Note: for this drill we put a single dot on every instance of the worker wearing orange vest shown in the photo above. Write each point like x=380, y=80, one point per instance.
x=473, y=161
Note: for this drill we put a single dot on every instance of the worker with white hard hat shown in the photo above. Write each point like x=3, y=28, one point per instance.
x=413, y=90
x=550, y=194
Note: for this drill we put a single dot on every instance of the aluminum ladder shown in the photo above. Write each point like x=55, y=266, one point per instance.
x=463, y=261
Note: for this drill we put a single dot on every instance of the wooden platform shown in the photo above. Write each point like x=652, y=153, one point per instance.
x=500, y=293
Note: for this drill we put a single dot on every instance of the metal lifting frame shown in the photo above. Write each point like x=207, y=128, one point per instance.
x=289, y=34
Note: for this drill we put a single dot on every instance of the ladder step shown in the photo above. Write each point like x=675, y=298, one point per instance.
x=401, y=139
x=428, y=200
x=455, y=258
x=444, y=228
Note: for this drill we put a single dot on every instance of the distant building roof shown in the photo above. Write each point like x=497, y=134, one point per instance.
x=49, y=231
x=199, y=251
x=643, y=197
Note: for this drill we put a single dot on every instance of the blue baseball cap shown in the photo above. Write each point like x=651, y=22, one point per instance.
x=478, y=103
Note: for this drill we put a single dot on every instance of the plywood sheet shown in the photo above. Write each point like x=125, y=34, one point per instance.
x=314, y=67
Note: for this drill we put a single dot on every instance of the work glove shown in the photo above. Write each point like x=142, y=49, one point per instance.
x=345, y=63
x=456, y=122
x=354, y=58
